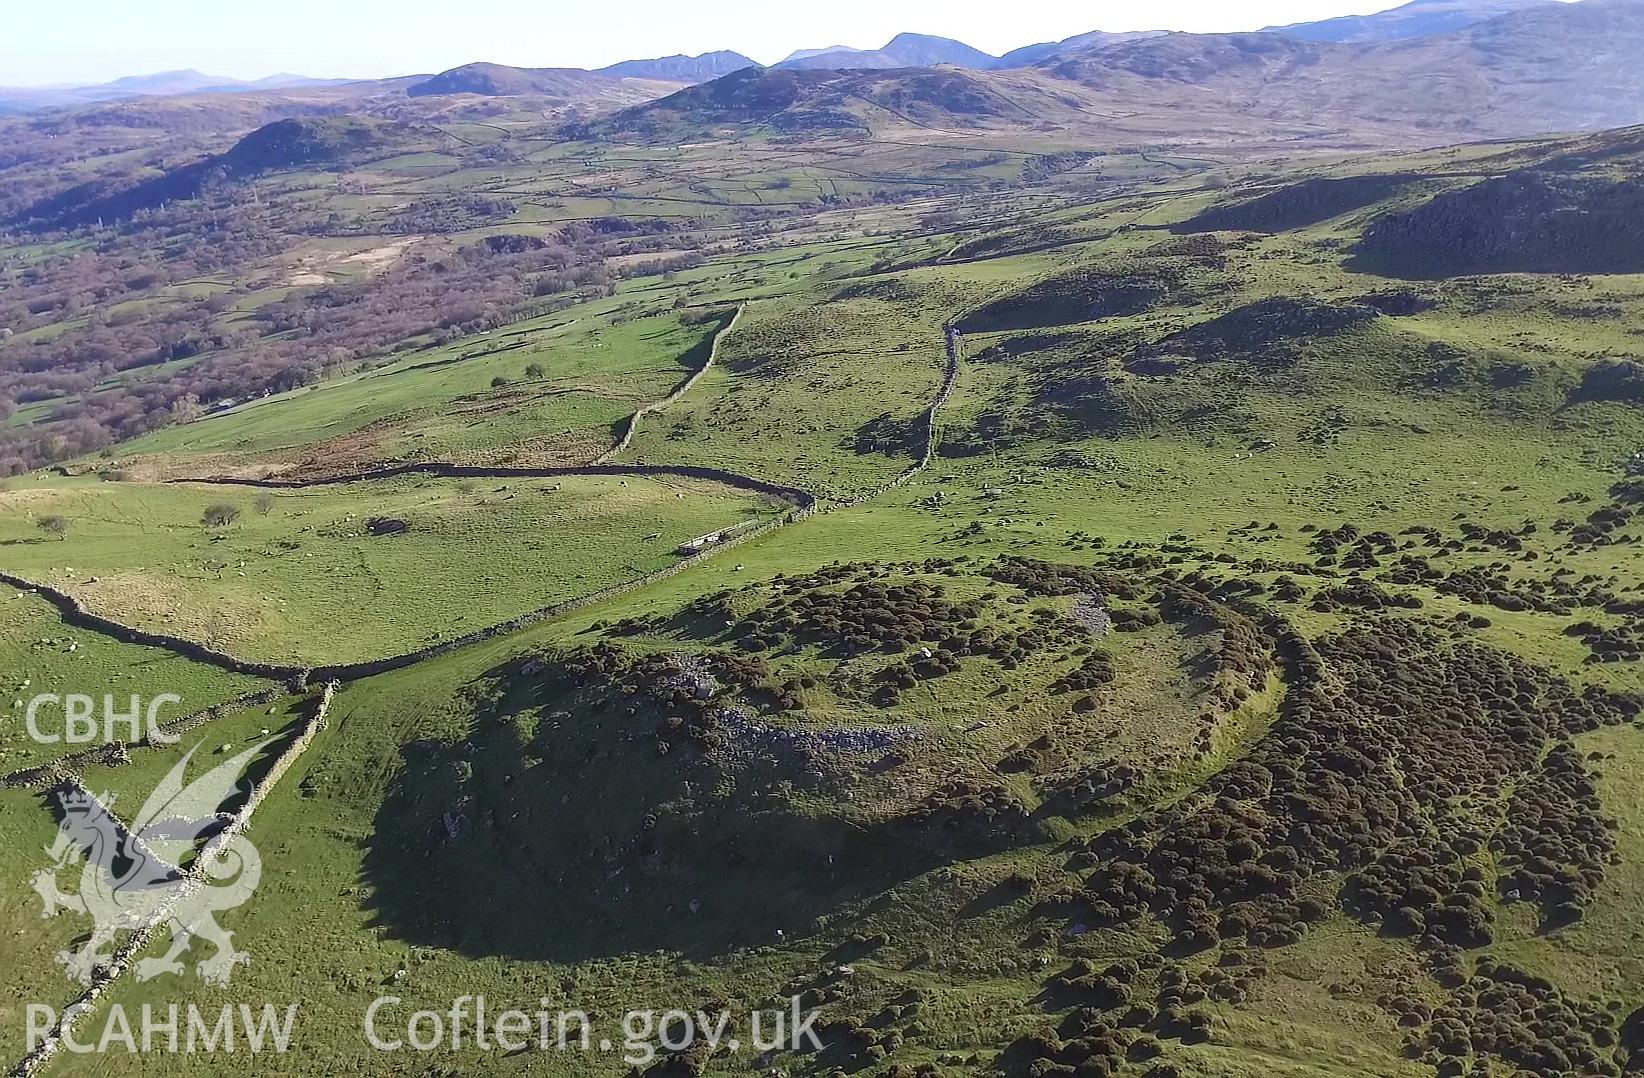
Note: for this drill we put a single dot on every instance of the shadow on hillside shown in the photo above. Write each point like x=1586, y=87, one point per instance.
x=697, y=354
x=574, y=846
x=484, y=893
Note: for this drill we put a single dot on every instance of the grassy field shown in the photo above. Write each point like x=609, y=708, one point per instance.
x=300, y=577
x=30, y=943
x=566, y=383
x=800, y=386
x=39, y=654
x=206, y=747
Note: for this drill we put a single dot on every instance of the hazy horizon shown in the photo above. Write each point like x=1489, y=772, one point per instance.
x=374, y=39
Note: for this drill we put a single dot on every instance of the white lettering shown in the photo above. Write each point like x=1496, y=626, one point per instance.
x=42, y=1020
x=371, y=1025
x=156, y=735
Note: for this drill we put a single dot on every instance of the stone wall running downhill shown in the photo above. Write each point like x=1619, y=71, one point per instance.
x=950, y=378
x=631, y=426
x=193, y=879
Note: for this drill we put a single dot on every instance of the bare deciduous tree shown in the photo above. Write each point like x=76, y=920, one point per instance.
x=220, y=515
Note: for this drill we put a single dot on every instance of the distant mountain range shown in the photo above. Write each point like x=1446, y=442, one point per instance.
x=1419, y=20
x=926, y=50
x=909, y=51
x=161, y=84
x=189, y=81
x=1536, y=69
x=1544, y=68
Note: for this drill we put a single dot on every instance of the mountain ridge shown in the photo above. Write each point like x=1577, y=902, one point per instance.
x=1029, y=55
x=903, y=50
x=1420, y=18
x=158, y=84
x=500, y=80
x=680, y=67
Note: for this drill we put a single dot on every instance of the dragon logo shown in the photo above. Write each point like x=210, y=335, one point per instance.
x=131, y=881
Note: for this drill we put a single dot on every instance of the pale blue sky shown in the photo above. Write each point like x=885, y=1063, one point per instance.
x=96, y=40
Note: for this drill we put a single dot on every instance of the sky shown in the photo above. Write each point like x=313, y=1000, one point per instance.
x=92, y=41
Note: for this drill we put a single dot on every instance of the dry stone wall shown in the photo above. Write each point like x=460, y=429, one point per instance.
x=139, y=941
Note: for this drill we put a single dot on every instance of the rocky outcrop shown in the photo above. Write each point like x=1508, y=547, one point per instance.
x=1266, y=330
x=1525, y=222
x=1081, y=296
x=1613, y=380
x=1298, y=205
